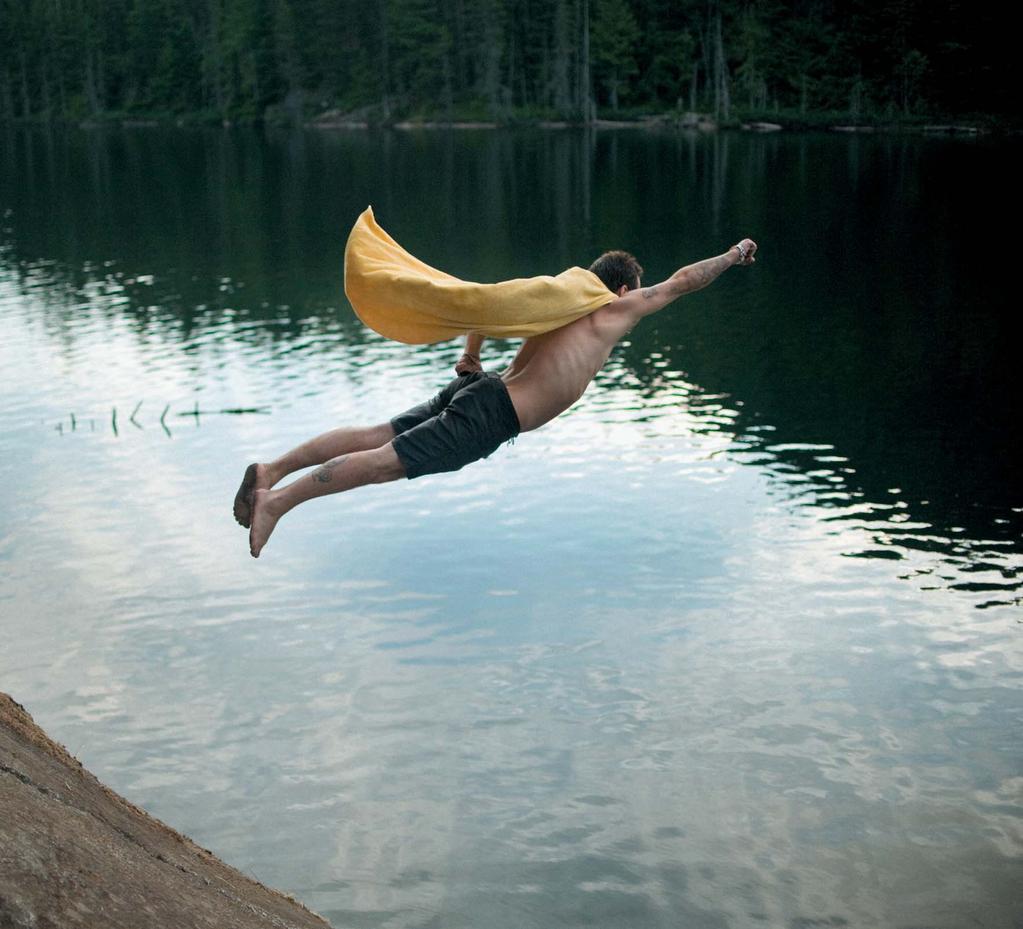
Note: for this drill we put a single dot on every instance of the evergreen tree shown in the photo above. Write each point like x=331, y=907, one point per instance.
x=420, y=53
x=614, y=36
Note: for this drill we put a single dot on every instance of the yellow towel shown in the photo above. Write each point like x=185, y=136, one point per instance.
x=402, y=298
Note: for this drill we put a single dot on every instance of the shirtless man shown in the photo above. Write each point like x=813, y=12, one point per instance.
x=477, y=411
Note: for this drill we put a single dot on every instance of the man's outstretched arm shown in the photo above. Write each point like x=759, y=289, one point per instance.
x=647, y=300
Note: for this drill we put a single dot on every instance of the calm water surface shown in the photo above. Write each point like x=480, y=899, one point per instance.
x=736, y=642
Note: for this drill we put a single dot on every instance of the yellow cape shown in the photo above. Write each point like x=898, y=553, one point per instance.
x=402, y=298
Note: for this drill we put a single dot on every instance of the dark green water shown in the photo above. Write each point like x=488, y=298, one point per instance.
x=735, y=642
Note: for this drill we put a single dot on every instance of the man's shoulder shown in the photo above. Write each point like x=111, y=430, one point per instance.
x=613, y=319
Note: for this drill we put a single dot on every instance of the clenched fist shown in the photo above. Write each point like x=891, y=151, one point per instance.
x=747, y=249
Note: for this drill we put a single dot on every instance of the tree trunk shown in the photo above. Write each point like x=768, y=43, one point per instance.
x=285, y=43
x=462, y=46
x=446, y=93
x=61, y=91
x=215, y=61
x=722, y=96
x=491, y=64
x=90, y=84
x=6, y=97
x=101, y=81
x=44, y=91
x=512, y=74
x=706, y=54
x=256, y=93
x=559, y=77
x=385, y=61
x=585, y=90
x=26, y=100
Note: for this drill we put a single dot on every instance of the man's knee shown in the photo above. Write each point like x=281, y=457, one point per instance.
x=380, y=435
x=386, y=465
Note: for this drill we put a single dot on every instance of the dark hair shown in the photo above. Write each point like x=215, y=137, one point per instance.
x=617, y=268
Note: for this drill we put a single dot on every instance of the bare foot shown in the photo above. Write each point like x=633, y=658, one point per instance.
x=256, y=477
x=264, y=520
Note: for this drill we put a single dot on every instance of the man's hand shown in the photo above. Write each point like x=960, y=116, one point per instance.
x=468, y=364
x=747, y=248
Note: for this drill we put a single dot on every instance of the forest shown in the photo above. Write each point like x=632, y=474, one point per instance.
x=506, y=61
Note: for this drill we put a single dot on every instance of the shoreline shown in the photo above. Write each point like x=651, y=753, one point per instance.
x=335, y=121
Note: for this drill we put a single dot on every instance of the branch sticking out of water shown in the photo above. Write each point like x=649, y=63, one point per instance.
x=195, y=411
x=228, y=411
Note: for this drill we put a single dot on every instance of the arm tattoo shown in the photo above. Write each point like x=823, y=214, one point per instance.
x=704, y=272
x=649, y=292
x=324, y=472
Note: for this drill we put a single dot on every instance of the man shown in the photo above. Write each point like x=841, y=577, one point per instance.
x=478, y=411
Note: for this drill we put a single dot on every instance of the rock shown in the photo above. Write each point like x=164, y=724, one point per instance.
x=954, y=130
x=620, y=124
x=336, y=119
x=75, y=854
x=440, y=124
x=762, y=127
x=699, y=121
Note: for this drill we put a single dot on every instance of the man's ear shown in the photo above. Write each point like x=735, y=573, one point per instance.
x=623, y=290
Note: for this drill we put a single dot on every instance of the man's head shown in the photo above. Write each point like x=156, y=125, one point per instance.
x=619, y=271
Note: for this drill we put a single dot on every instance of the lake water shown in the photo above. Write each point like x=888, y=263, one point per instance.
x=736, y=642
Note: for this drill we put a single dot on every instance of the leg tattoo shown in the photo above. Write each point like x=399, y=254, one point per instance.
x=325, y=472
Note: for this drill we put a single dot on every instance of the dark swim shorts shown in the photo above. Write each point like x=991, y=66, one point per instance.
x=466, y=421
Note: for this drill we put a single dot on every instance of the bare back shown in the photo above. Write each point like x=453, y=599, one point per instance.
x=553, y=370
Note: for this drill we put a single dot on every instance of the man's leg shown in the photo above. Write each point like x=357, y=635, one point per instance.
x=264, y=475
x=343, y=472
